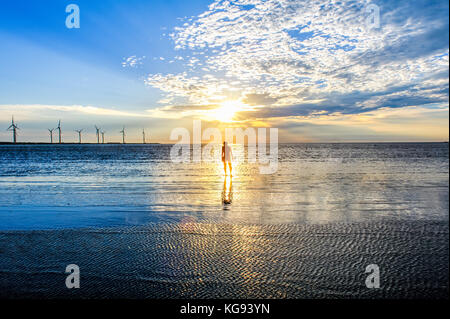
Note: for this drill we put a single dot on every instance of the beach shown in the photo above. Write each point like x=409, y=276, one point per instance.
x=193, y=260
x=140, y=226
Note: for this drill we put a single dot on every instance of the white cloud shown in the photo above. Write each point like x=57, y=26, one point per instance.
x=36, y=111
x=132, y=61
x=296, y=51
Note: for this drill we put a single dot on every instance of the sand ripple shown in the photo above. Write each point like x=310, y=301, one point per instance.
x=195, y=260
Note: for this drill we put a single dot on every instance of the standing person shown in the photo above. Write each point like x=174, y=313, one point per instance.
x=227, y=157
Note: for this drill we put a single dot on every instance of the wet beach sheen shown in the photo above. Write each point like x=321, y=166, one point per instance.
x=140, y=226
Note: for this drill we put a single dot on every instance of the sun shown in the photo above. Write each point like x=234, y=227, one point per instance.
x=226, y=111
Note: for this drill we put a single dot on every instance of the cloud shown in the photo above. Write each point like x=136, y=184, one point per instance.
x=411, y=123
x=184, y=108
x=259, y=99
x=132, y=61
x=299, y=58
x=36, y=111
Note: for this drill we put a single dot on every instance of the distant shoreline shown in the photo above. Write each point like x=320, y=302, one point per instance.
x=118, y=143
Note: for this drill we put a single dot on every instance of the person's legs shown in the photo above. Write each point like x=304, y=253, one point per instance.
x=229, y=164
x=225, y=167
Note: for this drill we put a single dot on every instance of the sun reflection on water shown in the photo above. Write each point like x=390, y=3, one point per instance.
x=227, y=193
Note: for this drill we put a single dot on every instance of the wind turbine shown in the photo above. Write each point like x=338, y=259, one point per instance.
x=79, y=135
x=59, y=130
x=13, y=127
x=123, y=135
x=97, y=131
x=50, y=130
x=103, y=137
x=143, y=136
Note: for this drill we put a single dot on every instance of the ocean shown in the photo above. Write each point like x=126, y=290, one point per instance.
x=139, y=225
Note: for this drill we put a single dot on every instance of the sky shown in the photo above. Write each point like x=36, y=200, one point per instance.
x=319, y=71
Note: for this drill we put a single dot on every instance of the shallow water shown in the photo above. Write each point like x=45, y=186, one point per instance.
x=69, y=186
x=140, y=226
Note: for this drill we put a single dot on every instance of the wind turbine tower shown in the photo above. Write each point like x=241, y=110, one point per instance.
x=13, y=127
x=123, y=135
x=103, y=137
x=50, y=130
x=97, y=131
x=59, y=131
x=79, y=135
x=143, y=136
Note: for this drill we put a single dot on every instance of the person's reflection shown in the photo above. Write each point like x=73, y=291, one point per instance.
x=227, y=193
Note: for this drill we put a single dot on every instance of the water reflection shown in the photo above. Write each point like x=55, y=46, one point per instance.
x=108, y=185
x=227, y=193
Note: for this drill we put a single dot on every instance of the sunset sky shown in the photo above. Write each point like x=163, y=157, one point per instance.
x=317, y=70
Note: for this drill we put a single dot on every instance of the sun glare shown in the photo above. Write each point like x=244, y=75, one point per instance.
x=226, y=111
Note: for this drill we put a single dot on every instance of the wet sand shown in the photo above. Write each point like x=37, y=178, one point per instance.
x=201, y=260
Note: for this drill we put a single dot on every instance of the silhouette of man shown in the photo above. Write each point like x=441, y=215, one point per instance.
x=227, y=157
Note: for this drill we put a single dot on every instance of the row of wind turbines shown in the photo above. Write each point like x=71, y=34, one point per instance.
x=13, y=127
